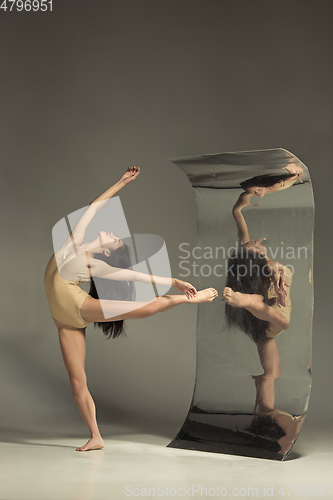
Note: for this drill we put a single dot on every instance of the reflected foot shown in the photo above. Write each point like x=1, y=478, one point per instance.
x=207, y=295
x=292, y=428
x=237, y=299
x=96, y=443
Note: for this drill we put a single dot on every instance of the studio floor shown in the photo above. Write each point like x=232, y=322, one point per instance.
x=140, y=465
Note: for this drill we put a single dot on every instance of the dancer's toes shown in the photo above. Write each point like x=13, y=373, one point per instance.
x=227, y=294
x=206, y=295
x=213, y=294
x=235, y=299
x=93, y=444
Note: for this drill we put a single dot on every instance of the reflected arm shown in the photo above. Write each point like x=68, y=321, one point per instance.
x=243, y=234
x=243, y=201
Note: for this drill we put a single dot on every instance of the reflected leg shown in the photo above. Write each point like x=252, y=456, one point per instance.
x=270, y=361
x=255, y=305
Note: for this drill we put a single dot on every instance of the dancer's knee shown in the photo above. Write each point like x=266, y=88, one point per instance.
x=79, y=384
x=272, y=372
x=284, y=323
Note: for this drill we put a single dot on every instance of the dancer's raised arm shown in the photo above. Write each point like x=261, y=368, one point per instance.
x=79, y=231
x=243, y=201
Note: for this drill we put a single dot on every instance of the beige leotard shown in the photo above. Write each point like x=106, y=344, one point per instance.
x=65, y=270
x=283, y=310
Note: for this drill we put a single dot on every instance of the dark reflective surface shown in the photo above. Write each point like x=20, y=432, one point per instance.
x=253, y=371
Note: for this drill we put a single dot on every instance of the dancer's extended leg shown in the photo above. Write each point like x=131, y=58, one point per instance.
x=95, y=310
x=270, y=361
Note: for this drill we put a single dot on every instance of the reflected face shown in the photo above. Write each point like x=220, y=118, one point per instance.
x=256, y=246
x=257, y=190
x=109, y=240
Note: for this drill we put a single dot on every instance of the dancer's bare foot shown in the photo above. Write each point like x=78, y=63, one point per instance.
x=238, y=299
x=95, y=443
x=235, y=299
x=295, y=169
x=291, y=426
x=206, y=295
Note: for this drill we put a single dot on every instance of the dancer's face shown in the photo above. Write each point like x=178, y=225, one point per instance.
x=257, y=190
x=109, y=241
x=256, y=246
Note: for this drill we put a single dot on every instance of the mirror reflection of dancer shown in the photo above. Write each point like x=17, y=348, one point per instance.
x=257, y=296
x=268, y=183
x=106, y=258
x=257, y=291
x=270, y=421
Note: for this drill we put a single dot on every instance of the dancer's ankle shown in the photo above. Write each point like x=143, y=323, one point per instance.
x=95, y=435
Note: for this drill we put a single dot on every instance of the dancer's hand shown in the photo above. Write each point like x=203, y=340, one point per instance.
x=295, y=169
x=184, y=287
x=130, y=174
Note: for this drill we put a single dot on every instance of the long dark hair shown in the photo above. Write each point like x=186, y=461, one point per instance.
x=113, y=290
x=248, y=273
x=263, y=425
x=266, y=180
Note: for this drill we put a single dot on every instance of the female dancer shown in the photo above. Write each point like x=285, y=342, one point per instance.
x=267, y=183
x=256, y=284
x=73, y=309
x=257, y=296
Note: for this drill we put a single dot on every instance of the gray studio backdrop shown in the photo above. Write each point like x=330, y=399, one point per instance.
x=87, y=91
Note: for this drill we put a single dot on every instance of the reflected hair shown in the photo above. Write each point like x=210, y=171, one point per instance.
x=255, y=280
x=265, y=426
x=113, y=290
x=266, y=180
